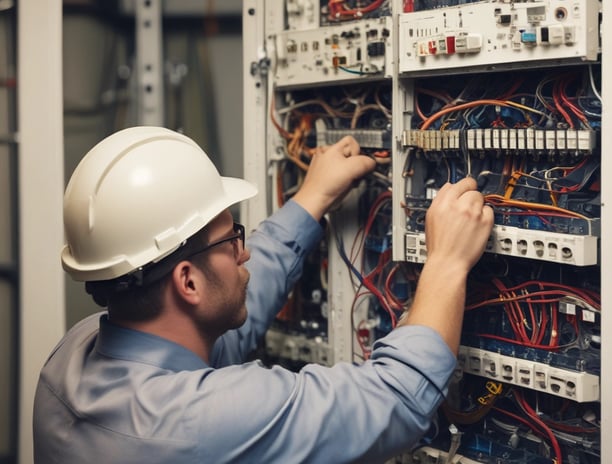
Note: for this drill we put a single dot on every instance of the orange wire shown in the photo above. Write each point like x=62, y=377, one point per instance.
x=429, y=121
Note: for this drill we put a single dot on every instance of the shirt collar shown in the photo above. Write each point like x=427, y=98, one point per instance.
x=133, y=345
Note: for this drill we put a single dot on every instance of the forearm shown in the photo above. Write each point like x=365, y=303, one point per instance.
x=278, y=248
x=439, y=301
x=312, y=204
x=457, y=227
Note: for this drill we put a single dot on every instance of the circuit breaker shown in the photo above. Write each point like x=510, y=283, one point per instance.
x=507, y=92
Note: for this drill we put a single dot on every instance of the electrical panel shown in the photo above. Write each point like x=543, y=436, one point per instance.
x=508, y=92
x=332, y=54
x=490, y=34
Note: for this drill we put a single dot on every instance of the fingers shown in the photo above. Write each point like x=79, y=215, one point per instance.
x=361, y=165
x=459, y=188
x=346, y=153
x=488, y=214
x=458, y=223
x=465, y=191
x=347, y=146
x=320, y=149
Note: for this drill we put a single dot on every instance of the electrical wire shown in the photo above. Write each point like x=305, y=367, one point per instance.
x=509, y=104
x=541, y=300
x=338, y=10
x=592, y=82
x=531, y=413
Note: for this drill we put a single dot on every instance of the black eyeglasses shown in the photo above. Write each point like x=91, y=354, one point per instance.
x=237, y=240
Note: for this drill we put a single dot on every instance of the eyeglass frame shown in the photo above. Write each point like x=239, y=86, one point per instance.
x=152, y=272
x=238, y=235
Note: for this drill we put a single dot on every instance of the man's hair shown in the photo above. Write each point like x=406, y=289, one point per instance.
x=139, y=303
x=138, y=296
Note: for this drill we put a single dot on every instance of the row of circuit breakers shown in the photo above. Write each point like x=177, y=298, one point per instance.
x=507, y=92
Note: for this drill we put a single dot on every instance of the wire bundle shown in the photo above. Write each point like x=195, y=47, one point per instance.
x=532, y=311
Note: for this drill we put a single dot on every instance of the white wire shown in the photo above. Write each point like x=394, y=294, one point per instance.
x=592, y=79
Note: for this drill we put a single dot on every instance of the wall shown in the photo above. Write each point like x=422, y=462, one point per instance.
x=8, y=337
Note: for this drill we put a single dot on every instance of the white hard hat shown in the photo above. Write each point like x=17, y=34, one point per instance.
x=136, y=197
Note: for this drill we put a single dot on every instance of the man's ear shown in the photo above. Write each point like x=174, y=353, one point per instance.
x=187, y=281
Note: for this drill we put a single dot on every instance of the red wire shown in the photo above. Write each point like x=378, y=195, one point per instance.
x=383, y=259
x=575, y=187
x=562, y=87
x=370, y=285
x=521, y=420
x=337, y=10
x=554, y=330
x=547, y=299
x=585, y=294
x=516, y=342
x=534, y=323
x=560, y=109
x=543, y=324
x=517, y=83
x=398, y=305
x=544, y=321
x=555, y=297
x=534, y=416
x=513, y=312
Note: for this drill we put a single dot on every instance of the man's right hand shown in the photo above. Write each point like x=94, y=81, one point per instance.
x=458, y=224
x=457, y=227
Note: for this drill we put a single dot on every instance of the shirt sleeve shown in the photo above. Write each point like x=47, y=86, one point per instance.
x=278, y=249
x=345, y=413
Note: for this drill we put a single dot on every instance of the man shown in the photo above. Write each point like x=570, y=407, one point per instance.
x=160, y=377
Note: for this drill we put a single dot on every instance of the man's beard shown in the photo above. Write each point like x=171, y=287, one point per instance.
x=242, y=302
x=231, y=312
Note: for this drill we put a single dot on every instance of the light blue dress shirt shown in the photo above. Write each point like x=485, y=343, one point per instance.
x=113, y=395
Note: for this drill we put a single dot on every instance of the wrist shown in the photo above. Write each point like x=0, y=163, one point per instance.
x=447, y=268
x=312, y=204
